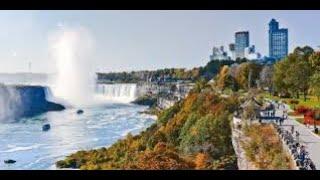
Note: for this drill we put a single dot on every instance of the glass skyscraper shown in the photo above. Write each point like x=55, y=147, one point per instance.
x=278, y=41
x=241, y=42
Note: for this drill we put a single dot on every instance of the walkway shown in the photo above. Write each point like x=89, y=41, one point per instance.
x=307, y=138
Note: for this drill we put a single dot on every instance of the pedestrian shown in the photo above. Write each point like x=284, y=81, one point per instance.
x=297, y=136
x=292, y=129
x=285, y=115
x=302, y=153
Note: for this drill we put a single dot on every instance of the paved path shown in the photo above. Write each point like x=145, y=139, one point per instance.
x=307, y=138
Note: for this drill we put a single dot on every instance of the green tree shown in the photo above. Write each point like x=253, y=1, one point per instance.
x=315, y=61
x=315, y=85
x=266, y=77
x=293, y=73
x=248, y=74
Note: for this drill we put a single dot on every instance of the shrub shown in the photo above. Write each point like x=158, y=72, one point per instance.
x=202, y=161
x=293, y=101
x=317, y=114
x=264, y=147
x=302, y=110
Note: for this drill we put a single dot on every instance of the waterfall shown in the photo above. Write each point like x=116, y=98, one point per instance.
x=118, y=92
x=9, y=103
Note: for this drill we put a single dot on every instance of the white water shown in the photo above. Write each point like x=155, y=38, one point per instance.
x=99, y=126
x=75, y=77
x=117, y=92
x=9, y=103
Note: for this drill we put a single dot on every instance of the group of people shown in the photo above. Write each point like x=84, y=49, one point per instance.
x=301, y=156
x=297, y=134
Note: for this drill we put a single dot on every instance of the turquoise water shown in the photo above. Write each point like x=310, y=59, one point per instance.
x=99, y=126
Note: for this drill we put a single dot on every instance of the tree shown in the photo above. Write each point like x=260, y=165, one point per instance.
x=279, y=75
x=266, y=77
x=224, y=78
x=249, y=112
x=303, y=72
x=305, y=51
x=315, y=85
x=315, y=79
x=247, y=74
x=315, y=61
x=293, y=73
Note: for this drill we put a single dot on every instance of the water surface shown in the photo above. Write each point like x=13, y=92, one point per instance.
x=100, y=126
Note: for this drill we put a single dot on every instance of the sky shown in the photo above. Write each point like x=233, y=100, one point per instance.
x=144, y=40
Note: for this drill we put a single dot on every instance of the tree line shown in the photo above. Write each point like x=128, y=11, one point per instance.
x=171, y=74
x=295, y=75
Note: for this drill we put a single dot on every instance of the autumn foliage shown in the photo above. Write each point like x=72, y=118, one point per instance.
x=193, y=134
x=264, y=148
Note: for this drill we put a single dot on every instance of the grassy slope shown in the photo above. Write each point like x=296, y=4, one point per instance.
x=193, y=134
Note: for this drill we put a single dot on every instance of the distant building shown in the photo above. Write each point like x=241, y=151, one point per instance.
x=278, y=40
x=250, y=53
x=241, y=42
x=232, y=50
x=218, y=53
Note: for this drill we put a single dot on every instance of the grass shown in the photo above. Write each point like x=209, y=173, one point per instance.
x=299, y=120
x=311, y=102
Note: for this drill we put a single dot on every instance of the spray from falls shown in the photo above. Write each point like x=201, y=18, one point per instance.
x=75, y=76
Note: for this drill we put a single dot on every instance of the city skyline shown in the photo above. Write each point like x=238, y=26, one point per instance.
x=278, y=40
x=138, y=40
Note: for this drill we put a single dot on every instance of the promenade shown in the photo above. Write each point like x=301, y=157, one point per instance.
x=307, y=137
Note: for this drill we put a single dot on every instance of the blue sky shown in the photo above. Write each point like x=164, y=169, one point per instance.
x=136, y=40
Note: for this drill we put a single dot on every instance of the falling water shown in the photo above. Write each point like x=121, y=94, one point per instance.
x=118, y=92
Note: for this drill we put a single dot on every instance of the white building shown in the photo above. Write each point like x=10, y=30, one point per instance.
x=251, y=54
x=218, y=53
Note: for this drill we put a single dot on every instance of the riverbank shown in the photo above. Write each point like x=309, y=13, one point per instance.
x=192, y=134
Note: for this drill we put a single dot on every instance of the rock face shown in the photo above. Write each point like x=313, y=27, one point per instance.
x=9, y=161
x=46, y=127
x=80, y=111
x=25, y=101
x=146, y=101
x=33, y=101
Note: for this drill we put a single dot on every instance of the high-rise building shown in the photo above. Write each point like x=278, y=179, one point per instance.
x=241, y=42
x=278, y=40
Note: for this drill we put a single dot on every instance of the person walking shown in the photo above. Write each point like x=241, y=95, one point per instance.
x=285, y=114
x=292, y=129
x=297, y=136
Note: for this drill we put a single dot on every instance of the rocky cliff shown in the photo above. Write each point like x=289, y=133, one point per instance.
x=18, y=101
